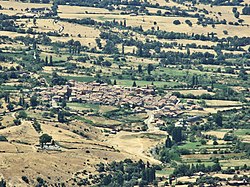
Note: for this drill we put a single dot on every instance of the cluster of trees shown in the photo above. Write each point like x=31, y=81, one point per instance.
x=21, y=102
x=167, y=155
x=215, y=2
x=74, y=47
x=7, y=22
x=187, y=170
x=39, y=1
x=57, y=80
x=221, y=95
x=232, y=119
x=145, y=49
x=37, y=126
x=127, y=173
x=4, y=76
x=170, y=150
x=169, y=57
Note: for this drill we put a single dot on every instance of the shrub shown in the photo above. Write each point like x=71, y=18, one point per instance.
x=3, y=139
x=25, y=179
x=176, y=22
x=215, y=143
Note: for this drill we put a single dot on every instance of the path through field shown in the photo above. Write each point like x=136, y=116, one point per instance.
x=139, y=144
x=133, y=144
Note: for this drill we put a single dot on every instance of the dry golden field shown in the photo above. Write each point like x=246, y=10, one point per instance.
x=21, y=156
x=87, y=139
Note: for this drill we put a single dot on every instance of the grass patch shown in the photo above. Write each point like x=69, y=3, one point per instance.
x=80, y=79
x=167, y=171
x=242, y=132
x=190, y=145
x=129, y=83
x=84, y=106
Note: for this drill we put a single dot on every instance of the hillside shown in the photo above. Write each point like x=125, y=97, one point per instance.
x=124, y=92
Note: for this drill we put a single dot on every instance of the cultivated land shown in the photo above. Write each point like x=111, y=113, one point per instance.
x=124, y=93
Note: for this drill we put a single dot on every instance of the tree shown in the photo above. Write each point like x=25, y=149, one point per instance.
x=98, y=42
x=34, y=21
x=203, y=142
x=243, y=74
x=7, y=97
x=106, y=63
x=57, y=80
x=125, y=23
x=22, y=114
x=110, y=48
x=176, y=22
x=25, y=179
x=115, y=82
x=246, y=10
x=216, y=167
x=134, y=84
x=168, y=143
x=61, y=116
x=50, y=60
x=45, y=138
x=46, y=61
x=140, y=68
x=63, y=104
x=10, y=106
x=139, y=51
x=177, y=134
x=54, y=7
x=77, y=45
x=237, y=15
x=123, y=49
x=215, y=143
x=150, y=68
x=21, y=101
x=3, y=139
x=218, y=119
x=33, y=101
x=234, y=9
x=17, y=122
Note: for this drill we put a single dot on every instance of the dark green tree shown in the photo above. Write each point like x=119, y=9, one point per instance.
x=50, y=60
x=150, y=68
x=110, y=48
x=168, y=143
x=61, y=117
x=218, y=119
x=34, y=101
x=46, y=61
x=177, y=134
x=140, y=68
x=10, y=106
x=45, y=138
x=134, y=84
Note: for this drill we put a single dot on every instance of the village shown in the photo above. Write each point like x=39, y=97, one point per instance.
x=138, y=99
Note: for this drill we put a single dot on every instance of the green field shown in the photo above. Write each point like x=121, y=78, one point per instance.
x=190, y=145
x=83, y=106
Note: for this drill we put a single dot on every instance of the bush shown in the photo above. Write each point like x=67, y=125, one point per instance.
x=215, y=143
x=203, y=142
x=3, y=139
x=176, y=22
x=22, y=114
x=25, y=179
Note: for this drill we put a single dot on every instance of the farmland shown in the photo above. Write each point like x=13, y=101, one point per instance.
x=124, y=93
